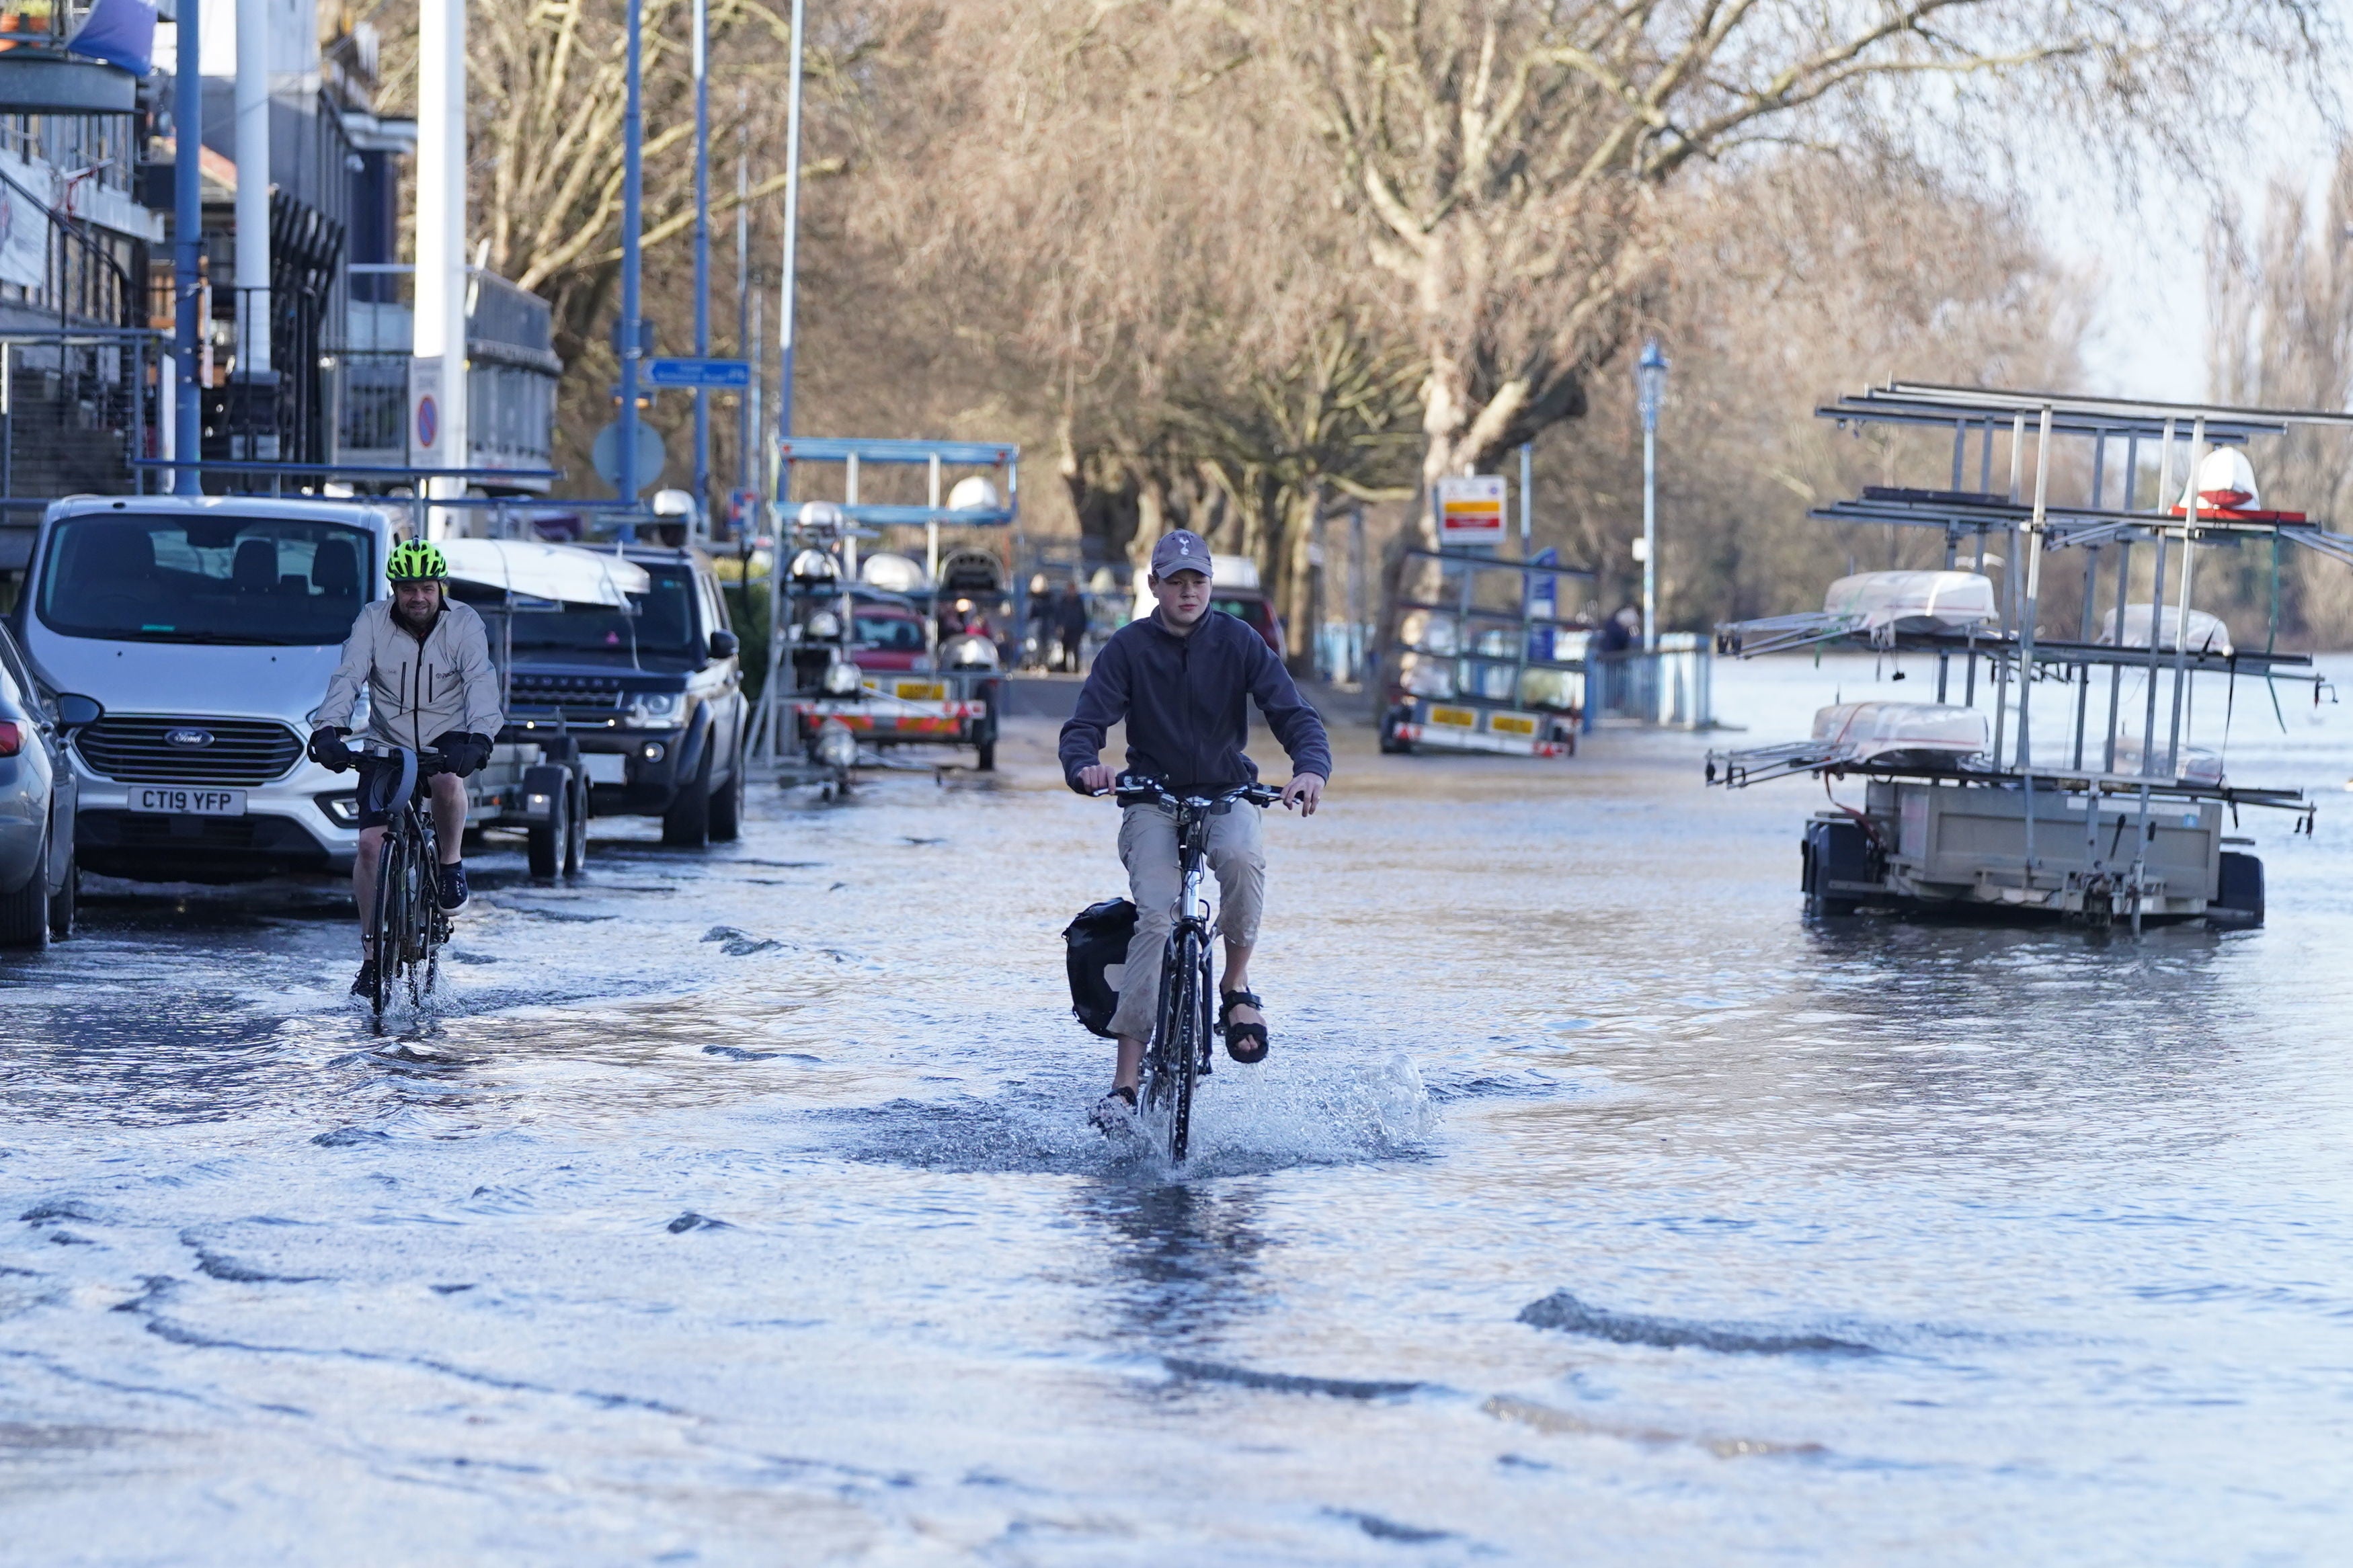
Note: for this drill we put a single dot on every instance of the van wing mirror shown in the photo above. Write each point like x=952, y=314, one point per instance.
x=723, y=645
x=76, y=712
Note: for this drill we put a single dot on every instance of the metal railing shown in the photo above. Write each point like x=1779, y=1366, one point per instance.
x=1671, y=688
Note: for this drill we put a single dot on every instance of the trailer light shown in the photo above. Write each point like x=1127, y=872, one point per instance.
x=652, y=751
x=12, y=738
x=536, y=803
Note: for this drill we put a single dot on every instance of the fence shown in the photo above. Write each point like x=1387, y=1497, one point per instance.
x=1670, y=688
x=75, y=409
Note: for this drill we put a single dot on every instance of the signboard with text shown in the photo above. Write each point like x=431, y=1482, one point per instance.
x=1470, y=512
x=712, y=375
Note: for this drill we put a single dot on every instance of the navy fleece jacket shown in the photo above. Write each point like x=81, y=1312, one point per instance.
x=1187, y=703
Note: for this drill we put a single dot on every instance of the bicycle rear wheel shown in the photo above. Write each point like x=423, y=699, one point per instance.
x=425, y=917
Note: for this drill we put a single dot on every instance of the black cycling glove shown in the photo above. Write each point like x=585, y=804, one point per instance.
x=327, y=749
x=463, y=752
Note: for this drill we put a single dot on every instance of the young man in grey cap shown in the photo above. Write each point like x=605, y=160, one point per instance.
x=1182, y=679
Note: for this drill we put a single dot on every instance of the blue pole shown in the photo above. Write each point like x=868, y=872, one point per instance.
x=187, y=241
x=702, y=250
x=632, y=223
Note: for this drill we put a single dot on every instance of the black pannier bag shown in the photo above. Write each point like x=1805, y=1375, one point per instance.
x=1097, y=940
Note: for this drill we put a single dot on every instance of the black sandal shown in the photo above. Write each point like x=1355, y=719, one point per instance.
x=1237, y=1035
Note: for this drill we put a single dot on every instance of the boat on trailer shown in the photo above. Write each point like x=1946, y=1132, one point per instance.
x=1967, y=808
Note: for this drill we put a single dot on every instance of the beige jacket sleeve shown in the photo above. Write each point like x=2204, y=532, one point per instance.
x=351, y=675
x=472, y=648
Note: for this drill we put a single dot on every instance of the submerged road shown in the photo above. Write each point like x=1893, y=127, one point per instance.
x=739, y=1206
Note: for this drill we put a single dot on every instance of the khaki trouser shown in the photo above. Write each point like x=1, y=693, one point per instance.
x=1148, y=846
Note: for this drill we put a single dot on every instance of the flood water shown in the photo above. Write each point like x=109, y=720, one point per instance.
x=739, y=1206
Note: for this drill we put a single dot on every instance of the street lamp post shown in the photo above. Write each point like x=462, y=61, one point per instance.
x=632, y=211
x=787, y=285
x=1651, y=377
x=702, y=60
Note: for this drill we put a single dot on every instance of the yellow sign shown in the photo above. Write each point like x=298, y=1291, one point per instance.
x=1456, y=718
x=922, y=690
x=1470, y=512
x=1513, y=723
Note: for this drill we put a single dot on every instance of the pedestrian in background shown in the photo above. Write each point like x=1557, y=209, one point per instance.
x=1070, y=625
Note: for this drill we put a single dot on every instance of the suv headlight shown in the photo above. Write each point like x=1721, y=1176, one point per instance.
x=841, y=679
x=657, y=710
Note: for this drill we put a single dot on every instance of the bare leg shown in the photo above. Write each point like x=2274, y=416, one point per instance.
x=1129, y=1068
x=449, y=816
x=1236, y=978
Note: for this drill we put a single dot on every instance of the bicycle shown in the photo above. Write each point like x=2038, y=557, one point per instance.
x=1178, y=1053
x=407, y=922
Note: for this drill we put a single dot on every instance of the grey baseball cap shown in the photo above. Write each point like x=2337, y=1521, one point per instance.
x=1183, y=551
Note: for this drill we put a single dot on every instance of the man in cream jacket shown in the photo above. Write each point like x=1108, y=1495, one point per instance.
x=425, y=662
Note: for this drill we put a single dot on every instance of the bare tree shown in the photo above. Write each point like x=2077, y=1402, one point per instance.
x=2282, y=327
x=1508, y=159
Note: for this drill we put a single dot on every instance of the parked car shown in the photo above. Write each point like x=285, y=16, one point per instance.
x=651, y=694
x=206, y=626
x=204, y=629
x=888, y=637
x=39, y=879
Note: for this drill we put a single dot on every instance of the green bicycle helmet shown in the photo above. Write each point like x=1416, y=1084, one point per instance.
x=415, y=561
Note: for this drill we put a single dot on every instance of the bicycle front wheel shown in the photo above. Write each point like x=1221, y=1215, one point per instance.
x=1185, y=1020
x=388, y=907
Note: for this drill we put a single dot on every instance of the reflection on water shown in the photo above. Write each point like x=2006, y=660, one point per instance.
x=1577, y=1148
x=1180, y=1261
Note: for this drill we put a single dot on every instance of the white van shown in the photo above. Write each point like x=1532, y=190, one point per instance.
x=206, y=627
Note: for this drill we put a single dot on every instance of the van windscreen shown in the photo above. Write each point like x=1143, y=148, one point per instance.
x=270, y=582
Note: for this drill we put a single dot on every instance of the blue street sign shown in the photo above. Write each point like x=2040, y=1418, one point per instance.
x=721, y=375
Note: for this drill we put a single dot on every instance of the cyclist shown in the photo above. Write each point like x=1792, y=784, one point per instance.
x=425, y=662
x=1182, y=677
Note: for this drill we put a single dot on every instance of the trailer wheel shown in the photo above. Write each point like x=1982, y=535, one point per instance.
x=987, y=763
x=548, y=839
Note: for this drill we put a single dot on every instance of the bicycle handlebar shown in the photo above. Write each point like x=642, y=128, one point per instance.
x=429, y=761
x=1135, y=789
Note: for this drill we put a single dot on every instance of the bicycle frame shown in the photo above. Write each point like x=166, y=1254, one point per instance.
x=406, y=923
x=1178, y=1053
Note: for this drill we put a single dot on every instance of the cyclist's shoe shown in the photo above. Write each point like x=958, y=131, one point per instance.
x=1246, y=1042
x=450, y=893
x=364, y=986
x=1114, y=1114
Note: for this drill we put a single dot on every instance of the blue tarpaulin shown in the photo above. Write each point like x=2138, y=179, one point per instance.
x=120, y=33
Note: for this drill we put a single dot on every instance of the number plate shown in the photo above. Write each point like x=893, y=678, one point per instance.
x=181, y=800
x=606, y=767
x=923, y=690
x=1512, y=725
x=1455, y=718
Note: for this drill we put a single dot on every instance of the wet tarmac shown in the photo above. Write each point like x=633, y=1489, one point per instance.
x=739, y=1206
